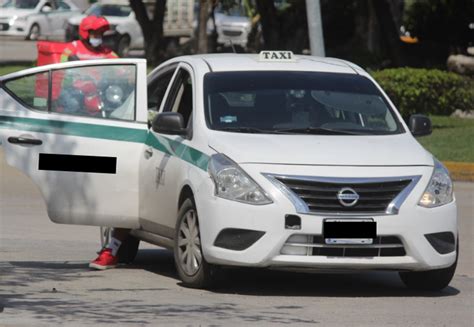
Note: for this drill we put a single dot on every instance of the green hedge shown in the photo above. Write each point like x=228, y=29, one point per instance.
x=427, y=91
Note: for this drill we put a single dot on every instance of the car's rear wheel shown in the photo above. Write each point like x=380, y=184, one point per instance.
x=34, y=32
x=430, y=280
x=191, y=265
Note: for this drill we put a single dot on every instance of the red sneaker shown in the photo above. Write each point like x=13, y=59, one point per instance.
x=105, y=260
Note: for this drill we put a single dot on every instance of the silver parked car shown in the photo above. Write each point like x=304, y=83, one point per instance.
x=33, y=19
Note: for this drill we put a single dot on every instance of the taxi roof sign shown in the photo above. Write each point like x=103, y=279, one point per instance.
x=279, y=56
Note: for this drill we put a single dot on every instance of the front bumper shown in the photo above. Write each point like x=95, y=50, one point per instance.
x=410, y=225
x=18, y=28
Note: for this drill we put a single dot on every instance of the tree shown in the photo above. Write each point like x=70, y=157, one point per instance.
x=202, y=32
x=270, y=26
x=152, y=28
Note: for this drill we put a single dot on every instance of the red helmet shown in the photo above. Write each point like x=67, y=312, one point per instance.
x=92, y=23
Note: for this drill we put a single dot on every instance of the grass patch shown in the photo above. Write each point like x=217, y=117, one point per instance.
x=452, y=139
x=7, y=69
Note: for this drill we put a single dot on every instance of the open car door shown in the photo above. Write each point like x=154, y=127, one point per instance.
x=77, y=130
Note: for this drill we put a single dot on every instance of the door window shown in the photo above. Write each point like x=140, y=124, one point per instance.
x=156, y=91
x=181, y=96
x=63, y=6
x=93, y=91
x=31, y=90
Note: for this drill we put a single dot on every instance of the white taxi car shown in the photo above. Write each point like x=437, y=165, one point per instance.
x=270, y=160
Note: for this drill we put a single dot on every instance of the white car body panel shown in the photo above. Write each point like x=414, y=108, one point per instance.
x=162, y=169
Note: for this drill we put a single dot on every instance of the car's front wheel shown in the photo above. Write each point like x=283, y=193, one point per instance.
x=191, y=265
x=34, y=32
x=431, y=280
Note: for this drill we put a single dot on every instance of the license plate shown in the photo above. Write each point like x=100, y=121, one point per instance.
x=349, y=231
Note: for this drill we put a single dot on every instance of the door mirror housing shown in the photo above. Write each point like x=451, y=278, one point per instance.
x=46, y=9
x=171, y=123
x=420, y=125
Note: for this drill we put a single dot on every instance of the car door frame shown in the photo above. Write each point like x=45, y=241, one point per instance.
x=18, y=120
x=168, y=166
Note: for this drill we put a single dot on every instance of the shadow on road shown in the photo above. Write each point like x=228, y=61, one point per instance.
x=23, y=289
x=265, y=282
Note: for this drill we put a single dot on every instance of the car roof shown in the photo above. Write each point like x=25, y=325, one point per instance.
x=250, y=62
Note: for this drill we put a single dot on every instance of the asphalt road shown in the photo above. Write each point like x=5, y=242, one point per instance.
x=44, y=281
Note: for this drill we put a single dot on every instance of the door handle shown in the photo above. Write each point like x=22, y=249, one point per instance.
x=149, y=152
x=24, y=140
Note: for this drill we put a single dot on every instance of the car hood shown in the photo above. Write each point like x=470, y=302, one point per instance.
x=339, y=150
x=16, y=12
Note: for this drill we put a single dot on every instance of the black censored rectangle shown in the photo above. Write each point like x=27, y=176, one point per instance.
x=350, y=229
x=73, y=163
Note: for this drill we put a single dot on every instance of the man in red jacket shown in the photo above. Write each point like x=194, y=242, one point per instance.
x=91, y=32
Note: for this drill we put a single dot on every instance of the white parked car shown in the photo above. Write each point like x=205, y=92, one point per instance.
x=233, y=27
x=33, y=19
x=270, y=160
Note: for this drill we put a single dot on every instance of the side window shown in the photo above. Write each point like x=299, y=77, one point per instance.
x=31, y=90
x=92, y=91
x=156, y=92
x=63, y=6
x=181, y=96
x=95, y=91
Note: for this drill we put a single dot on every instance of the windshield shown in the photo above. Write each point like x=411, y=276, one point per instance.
x=109, y=10
x=21, y=4
x=296, y=103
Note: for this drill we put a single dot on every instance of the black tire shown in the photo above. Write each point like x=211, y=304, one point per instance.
x=123, y=46
x=199, y=274
x=430, y=280
x=128, y=249
x=34, y=32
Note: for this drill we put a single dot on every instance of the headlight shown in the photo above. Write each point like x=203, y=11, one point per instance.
x=440, y=188
x=233, y=183
x=17, y=19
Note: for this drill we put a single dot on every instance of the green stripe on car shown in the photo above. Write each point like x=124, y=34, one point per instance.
x=161, y=143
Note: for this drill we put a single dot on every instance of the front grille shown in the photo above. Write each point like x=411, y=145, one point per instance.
x=314, y=245
x=231, y=33
x=320, y=196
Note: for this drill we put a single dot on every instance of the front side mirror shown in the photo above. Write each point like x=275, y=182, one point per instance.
x=171, y=123
x=46, y=9
x=420, y=125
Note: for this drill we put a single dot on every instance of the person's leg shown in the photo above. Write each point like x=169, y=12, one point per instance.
x=108, y=257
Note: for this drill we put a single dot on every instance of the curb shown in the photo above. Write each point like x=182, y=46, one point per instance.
x=460, y=171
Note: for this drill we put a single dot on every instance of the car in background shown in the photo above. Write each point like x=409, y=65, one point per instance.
x=33, y=19
x=233, y=27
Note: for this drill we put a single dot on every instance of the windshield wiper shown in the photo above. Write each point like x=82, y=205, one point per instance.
x=316, y=130
x=244, y=130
